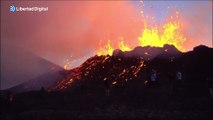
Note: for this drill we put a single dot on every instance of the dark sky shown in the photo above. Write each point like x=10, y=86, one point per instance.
x=71, y=30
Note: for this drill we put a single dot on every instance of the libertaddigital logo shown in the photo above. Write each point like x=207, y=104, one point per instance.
x=13, y=8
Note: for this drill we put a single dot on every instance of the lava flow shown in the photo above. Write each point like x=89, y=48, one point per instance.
x=116, y=69
x=119, y=69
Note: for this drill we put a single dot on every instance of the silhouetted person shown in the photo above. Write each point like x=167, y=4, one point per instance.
x=42, y=94
x=9, y=96
x=153, y=78
x=147, y=78
x=107, y=87
x=210, y=87
x=178, y=79
x=171, y=82
x=9, y=100
x=42, y=89
x=176, y=85
x=83, y=87
x=65, y=99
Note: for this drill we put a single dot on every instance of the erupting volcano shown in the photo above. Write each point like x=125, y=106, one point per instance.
x=157, y=35
x=120, y=68
x=107, y=60
x=119, y=62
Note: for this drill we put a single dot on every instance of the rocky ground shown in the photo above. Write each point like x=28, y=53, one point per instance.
x=81, y=93
x=152, y=104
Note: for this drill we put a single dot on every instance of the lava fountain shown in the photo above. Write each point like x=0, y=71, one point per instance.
x=152, y=35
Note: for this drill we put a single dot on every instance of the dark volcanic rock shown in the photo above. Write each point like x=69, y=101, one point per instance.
x=81, y=92
x=123, y=68
x=148, y=52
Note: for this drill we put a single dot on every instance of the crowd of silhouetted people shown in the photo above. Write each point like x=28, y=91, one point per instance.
x=174, y=79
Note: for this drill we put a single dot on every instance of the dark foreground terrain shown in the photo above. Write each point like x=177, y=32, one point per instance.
x=81, y=93
x=149, y=104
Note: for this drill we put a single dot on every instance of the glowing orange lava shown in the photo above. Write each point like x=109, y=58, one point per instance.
x=152, y=35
